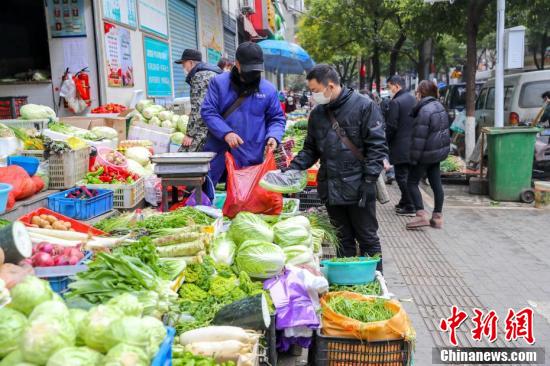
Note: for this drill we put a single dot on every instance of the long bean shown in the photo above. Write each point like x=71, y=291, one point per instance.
x=363, y=311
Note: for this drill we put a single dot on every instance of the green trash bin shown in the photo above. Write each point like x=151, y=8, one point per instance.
x=511, y=151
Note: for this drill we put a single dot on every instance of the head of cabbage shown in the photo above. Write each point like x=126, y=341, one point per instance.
x=136, y=168
x=155, y=121
x=136, y=331
x=177, y=138
x=144, y=103
x=292, y=231
x=97, y=322
x=138, y=153
x=29, y=293
x=260, y=259
x=128, y=304
x=248, y=226
x=298, y=254
x=223, y=249
x=105, y=132
x=76, y=317
x=43, y=337
x=50, y=309
x=126, y=355
x=36, y=111
x=75, y=356
x=12, y=326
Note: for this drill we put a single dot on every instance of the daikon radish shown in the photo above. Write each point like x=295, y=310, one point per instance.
x=221, y=351
x=215, y=334
x=37, y=238
x=67, y=235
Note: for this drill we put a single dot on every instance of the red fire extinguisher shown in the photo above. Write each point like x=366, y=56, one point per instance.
x=82, y=82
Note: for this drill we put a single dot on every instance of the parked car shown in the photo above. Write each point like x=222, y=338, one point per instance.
x=455, y=98
x=522, y=98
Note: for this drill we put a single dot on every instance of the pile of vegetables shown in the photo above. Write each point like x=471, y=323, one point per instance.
x=297, y=135
x=50, y=222
x=73, y=131
x=82, y=193
x=36, y=111
x=47, y=255
x=109, y=108
x=289, y=206
x=109, y=175
x=71, y=238
x=153, y=114
x=38, y=328
x=226, y=345
x=371, y=288
x=188, y=244
x=452, y=164
x=363, y=311
x=139, y=161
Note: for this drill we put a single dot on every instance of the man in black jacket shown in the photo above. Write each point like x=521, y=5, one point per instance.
x=345, y=183
x=398, y=134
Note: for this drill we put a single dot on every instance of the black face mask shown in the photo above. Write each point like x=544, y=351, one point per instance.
x=245, y=83
x=250, y=77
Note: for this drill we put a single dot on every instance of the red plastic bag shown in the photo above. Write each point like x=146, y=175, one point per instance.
x=23, y=185
x=245, y=194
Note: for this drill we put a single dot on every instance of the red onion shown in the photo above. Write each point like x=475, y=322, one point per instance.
x=42, y=259
x=73, y=260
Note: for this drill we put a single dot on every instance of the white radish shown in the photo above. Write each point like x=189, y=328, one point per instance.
x=221, y=351
x=215, y=334
x=68, y=235
x=39, y=238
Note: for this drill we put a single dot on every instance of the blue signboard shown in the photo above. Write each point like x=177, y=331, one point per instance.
x=157, y=67
x=121, y=11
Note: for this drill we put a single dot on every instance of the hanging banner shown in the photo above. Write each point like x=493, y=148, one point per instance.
x=211, y=29
x=152, y=17
x=66, y=18
x=121, y=11
x=120, y=71
x=157, y=67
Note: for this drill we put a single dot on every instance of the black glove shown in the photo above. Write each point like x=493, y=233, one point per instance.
x=367, y=192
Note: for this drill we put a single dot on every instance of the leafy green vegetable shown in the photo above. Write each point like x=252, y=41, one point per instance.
x=451, y=164
x=126, y=355
x=31, y=292
x=96, y=324
x=43, y=337
x=298, y=254
x=50, y=309
x=363, y=311
x=76, y=316
x=248, y=226
x=13, y=358
x=75, y=356
x=177, y=219
x=192, y=292
x=4, y=222
x=183, y=358
x=135, y=331
x=319, y=220
x=260, y=259
x=12, y=325
x=200, y=273
x=372, y=288
x=128, y=304
x=292, y=231
x=289, y=206
x=223, y=249
x=146, y=252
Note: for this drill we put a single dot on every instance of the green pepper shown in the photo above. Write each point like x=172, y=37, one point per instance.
x=96, y=173
x=129, y=180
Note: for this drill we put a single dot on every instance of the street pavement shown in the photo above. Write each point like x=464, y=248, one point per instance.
x=489, y=255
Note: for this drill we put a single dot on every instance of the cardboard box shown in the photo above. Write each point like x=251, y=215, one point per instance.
x=87, y=123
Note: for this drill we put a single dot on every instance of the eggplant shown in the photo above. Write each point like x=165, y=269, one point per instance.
x=249, y=313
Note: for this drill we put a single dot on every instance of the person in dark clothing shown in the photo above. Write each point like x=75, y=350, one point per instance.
x=225, y=64
x=303, y=99
x=345, y=184
x=398, y=134
x=430, y=144
x=545, y=117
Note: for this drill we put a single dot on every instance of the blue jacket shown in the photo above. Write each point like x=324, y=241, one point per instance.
x=257, y=119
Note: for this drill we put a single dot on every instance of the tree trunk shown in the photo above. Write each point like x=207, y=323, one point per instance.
x=376, y=67
x=420, y=66
x=370, y=74
x=543, y=45
x=426, y=57
x=395, y=53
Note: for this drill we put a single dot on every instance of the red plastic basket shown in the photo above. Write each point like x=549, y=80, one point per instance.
x=76, y=225
x=10, y=106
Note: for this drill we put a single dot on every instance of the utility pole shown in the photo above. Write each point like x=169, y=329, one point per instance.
x=499, y=70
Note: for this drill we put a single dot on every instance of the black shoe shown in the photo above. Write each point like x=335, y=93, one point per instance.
x=405, y=211
x=399, y=205
x=389, y=180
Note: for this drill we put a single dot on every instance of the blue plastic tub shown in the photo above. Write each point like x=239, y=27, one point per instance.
x=164, y=355
x=350, y=273
x=28, y=163
x=4, y=192
x=59, y=277
x=81, y=209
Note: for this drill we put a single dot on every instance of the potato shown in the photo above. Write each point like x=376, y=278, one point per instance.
x=43, y=217
x=67, y=224
x=47, y=227
x=43, y=223
x=58, y=226
x=51, y=219
x=36, y=220
x=35, y=225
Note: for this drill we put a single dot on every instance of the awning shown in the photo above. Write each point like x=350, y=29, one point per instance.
x=249, y=28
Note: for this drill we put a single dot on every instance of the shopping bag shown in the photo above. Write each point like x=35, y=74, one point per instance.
x=244, y=192
x=397, y=327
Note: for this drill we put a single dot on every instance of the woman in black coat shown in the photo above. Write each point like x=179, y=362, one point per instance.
x=430, y=144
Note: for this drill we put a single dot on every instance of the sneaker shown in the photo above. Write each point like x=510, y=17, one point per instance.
x=399, y=205
x=405, y=211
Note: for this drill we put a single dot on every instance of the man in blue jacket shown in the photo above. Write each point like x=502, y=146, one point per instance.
x=242, y=113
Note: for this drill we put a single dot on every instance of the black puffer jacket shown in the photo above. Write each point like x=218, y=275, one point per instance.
x=341, y=174
x=399, y=124
x=430, y=139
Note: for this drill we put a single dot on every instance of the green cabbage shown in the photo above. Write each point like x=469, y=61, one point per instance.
x=128, y=304
x=181, y=124
x=248, y=226
x=155, y=121
x=177, y=138
x=75, y=356
x=138, y=153
x=142, y=104
x=30, y=293
x=13, y=358
x=166, y=124
x=298, y=254
x=152, y=111
x=12, y=326
x=43, y=337
x=125, y=355
x=223, y=249
x=260, y=259
x=291, y=232
x=77, y=316
x=166, y=115
x=35, y=111
x=50, y=309
x=96, y=325
x=105, y=132
x=135, y=167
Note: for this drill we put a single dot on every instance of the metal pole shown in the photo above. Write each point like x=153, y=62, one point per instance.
x=499, y=71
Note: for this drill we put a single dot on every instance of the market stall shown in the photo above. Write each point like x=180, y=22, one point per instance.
x=98, y=274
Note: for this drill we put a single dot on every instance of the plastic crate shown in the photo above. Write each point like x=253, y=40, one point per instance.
x=68, y=168
x=309, y=199
x=39, y=154
x=76, y=225
x=37, y=124
x=81, y=209
x=10, y=106
x=125, y=195
x=59, y=277
x=164, y=354
x=337, y=351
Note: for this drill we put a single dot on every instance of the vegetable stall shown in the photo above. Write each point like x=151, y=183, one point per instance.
x=95, y=274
